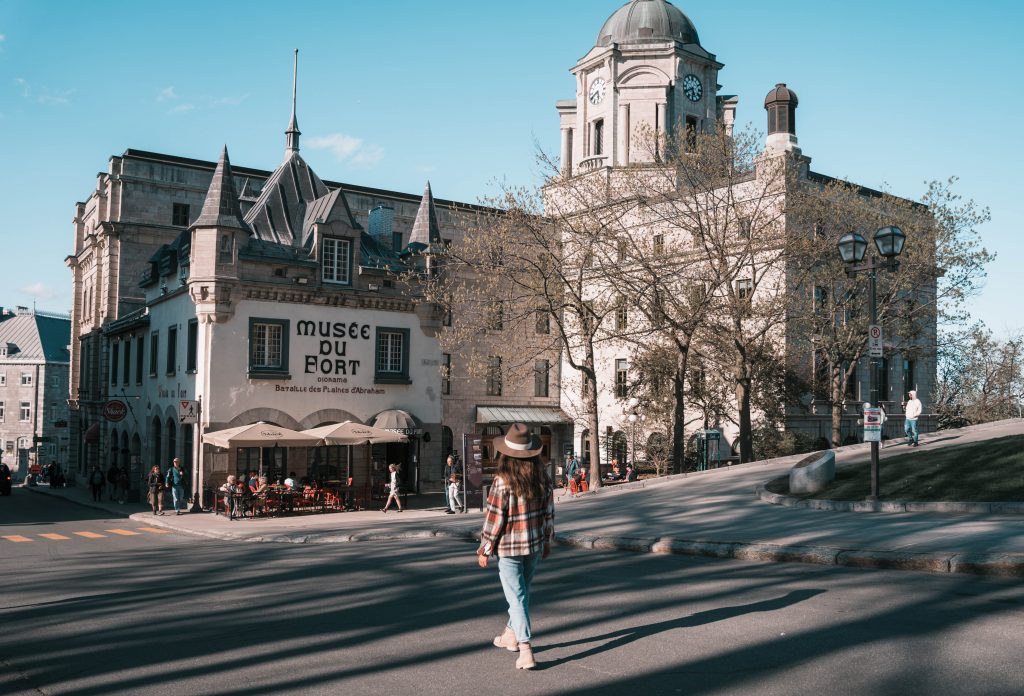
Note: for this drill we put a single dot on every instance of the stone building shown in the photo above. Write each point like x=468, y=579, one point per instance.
x=34, y=362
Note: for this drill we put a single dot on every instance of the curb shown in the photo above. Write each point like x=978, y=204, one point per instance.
x=994, y=564
x=949, y=507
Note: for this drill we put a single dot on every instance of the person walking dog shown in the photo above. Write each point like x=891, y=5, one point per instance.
x=912, y=411
x=519, y=527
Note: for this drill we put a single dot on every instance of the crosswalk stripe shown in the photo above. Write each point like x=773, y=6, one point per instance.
x=122, y=532
x=16, y=538
x=55, y=537
x=155, y=530
x=91, y=535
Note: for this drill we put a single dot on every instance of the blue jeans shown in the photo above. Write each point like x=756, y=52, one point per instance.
x=178, y=495
x=516, y=573
x=910, y=428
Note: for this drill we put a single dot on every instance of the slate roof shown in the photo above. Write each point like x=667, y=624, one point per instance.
x=425, y=229
x=34, y=337
x=279, y=214
x=221, y=208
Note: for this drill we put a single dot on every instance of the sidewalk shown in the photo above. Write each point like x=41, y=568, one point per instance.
x=714, y=513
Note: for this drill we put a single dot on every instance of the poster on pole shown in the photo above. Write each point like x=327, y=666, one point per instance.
x=872, y=425
x=473, y=466
x=874, y=341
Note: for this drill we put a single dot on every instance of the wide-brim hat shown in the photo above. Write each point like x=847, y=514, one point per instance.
x=518, y=443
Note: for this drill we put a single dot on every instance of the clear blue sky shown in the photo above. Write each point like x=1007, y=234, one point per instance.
x=457, y=91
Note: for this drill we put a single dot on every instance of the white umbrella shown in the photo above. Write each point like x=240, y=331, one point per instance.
x=260, y=435
x=351, y=433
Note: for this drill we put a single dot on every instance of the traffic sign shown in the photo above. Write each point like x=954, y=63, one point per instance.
x=188, y=412
x=875, y=341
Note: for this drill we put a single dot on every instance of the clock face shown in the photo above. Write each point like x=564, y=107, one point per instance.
x=597, y=89
x=692, y=88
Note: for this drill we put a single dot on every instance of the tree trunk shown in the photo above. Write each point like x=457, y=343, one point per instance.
x=679, y=408
x=837, y=388
x=594, y=478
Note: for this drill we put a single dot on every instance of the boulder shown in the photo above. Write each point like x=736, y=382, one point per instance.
x=813, y=473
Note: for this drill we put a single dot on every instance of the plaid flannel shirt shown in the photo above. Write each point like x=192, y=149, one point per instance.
x=515, y=526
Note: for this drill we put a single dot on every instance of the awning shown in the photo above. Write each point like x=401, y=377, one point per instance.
x=521, y=414
x=92, y=433
x=397, y=421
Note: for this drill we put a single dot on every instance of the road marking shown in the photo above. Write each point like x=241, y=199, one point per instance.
x=122, y=532
x=155, y=530
x=16, y=538
x=91, y=535
x=55, y=537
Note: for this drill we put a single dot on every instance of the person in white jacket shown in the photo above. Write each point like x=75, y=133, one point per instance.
x=912, y=411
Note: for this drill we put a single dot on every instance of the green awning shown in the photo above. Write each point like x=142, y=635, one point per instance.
x=521, y=414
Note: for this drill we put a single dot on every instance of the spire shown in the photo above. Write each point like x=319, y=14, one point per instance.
x=291, y=136
x=221, y=207
x=425, y=229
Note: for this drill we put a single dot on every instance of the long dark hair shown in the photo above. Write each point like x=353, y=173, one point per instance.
x=527, y=478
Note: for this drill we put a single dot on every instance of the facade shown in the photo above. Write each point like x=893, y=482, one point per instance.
x=647, y=75
x=34, y=361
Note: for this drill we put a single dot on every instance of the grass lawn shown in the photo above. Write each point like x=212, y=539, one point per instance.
x=987, y=471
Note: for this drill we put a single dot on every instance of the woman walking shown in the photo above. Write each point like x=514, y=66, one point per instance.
x=395, y=487
x=518, y=528
x=155, y=483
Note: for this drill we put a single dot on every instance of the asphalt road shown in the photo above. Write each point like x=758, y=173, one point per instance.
x=167, y=614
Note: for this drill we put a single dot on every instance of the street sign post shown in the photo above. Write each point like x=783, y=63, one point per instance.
x=872, y=425
x=188, y=412
x=874, y=341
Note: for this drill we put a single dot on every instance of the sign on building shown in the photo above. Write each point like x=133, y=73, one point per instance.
x=873, y=420
x=188, y=412
x=115, y=410
x=874, y=341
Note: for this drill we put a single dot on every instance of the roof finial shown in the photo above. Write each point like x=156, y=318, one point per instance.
x=292, y=134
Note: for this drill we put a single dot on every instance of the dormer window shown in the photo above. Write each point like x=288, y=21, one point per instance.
x=598, y=148
x=336, y=261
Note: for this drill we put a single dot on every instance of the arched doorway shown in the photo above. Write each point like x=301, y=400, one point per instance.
x=156, y=443
x=172, y=440
x=187, y=447
x=585, y=448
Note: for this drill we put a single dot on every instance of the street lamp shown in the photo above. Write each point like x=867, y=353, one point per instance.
x=852, y=248
x=632, y=406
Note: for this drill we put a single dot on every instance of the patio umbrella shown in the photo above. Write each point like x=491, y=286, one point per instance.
x=351, y=433
x=260, y=435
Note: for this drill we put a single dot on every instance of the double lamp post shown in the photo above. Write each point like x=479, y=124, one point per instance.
x=852, y=248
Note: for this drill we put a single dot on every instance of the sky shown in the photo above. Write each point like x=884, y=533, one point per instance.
x=393, y=93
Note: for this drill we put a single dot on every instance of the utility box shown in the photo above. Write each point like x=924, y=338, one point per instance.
x=708, y=449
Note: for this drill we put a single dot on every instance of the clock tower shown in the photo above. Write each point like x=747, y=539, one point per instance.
x=647, y=73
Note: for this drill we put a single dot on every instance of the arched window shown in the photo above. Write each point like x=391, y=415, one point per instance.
x=619, y=446
x=156, y=442
x=172, y=439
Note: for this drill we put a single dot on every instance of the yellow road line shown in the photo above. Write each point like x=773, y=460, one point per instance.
x=155, y=530
x=54, y=536
x=91, y=535
x=16, y=538
x=122, y=532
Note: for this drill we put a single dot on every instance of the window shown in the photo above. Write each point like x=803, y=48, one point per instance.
x=396, y=241
x=543, y=321
x=336, y=263
x=26, y=411
x=172, y=349
x=882, y=379
x=820, y=299
x=494, y=375
x=446, y=373
x=621, y=250
x=908, y=375
x=658, y=244
x=598, y=137
x=2, y=411
x=140, y=349
x=226, y=251
x=392, y=363
x=447, y=319
x=495, y=316
x=54, y=413
x=192, y=349
x=621, y=314
x=268, y=346
x=126, y=373
x=26, y=379
x=180, y=215
x=3, y=379
x=113, y=362
x=744, y=289
x=154, y=352
x=692, y=125
x=621, y=378
x=541, y=369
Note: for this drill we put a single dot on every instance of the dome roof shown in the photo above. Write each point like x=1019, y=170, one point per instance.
x=647, y=20
x=781, y=93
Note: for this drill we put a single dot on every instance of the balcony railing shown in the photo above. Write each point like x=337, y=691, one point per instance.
x=589, y=164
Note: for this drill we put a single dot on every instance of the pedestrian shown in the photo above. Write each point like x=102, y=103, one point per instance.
x=96, y=479
x=572, y=468
x=175, y=481
x=518, y=527
x=155, y=484
x=112, y=474
x=911, y=412
x=450, y=469
x=453, y=494
x=394, y=488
